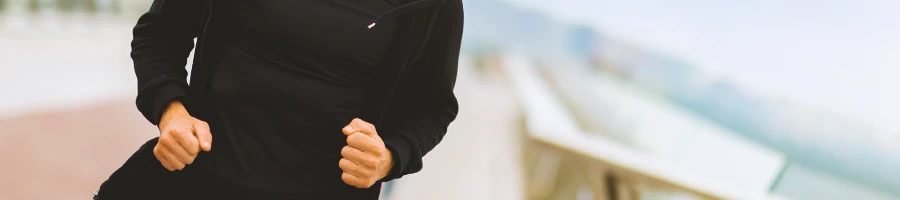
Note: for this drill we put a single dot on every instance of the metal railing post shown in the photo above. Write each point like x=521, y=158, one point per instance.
x=544, y=176
x=601, y=182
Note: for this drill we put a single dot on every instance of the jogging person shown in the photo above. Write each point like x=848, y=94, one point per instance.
x=289, y=99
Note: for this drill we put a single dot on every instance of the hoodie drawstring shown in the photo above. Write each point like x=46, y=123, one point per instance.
x=404, y=9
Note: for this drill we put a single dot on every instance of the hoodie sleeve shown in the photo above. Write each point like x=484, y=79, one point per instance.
x=429, y=104
x=163, y=39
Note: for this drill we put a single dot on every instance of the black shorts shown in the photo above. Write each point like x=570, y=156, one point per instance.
x=142, y=177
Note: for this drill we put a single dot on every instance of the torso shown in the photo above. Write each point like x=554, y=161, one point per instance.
x=292, y=74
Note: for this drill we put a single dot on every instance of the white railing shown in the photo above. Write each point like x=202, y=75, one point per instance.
x=555, y=132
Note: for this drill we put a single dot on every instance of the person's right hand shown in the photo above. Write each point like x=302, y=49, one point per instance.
x=181, y=137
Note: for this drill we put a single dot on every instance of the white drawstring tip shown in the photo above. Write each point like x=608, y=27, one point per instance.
x=371, y=25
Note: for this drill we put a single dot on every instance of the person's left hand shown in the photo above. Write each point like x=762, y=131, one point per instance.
x=365, y=158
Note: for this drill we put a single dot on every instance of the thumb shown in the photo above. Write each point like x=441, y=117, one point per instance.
x=358, y=125
x=348, y=130
x=201, y=130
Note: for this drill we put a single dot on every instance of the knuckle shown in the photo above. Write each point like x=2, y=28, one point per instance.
x=353, y=139
x=345, y=151
x=164, y=135
x=171, y=127
x=371, y=162
x=164, y=143
x=167, y=135
x=194, y=150
x=185, y=130
x=344, y=164
x=162, y=146
x=193, y=144
x=362, y=138
x=347, y=178
x=367, y=174
x=378, y=154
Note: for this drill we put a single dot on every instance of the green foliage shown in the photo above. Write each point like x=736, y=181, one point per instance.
x=33, y=5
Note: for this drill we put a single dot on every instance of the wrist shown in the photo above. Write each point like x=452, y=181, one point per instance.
x=173, y=110
x=389, y=157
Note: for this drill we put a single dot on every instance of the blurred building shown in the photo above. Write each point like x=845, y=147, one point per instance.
x=828, y=155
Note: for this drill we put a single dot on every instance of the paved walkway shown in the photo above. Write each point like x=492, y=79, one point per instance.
x=67, y=115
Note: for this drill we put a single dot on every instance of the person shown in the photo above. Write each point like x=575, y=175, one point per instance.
x=304, y=99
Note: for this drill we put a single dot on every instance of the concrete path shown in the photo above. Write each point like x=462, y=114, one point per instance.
x=67, y=115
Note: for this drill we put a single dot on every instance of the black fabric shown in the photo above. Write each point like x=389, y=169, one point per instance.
x=284, y=86
x=403, y=10
x=143, y=178
x=417, y=116
x=409, y=96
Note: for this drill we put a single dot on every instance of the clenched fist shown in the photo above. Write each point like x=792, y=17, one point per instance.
x=181, y=137
x=365, y=158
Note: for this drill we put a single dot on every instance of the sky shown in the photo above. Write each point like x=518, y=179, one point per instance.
x=840, y=56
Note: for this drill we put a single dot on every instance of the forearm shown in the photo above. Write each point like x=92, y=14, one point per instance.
x=153, y=100
x=163, y=40
x=417, y=136
x=430, y=104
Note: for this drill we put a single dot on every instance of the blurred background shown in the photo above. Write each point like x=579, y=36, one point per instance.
x=563, y=99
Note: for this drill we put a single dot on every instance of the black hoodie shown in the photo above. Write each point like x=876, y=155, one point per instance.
x=411, y=101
